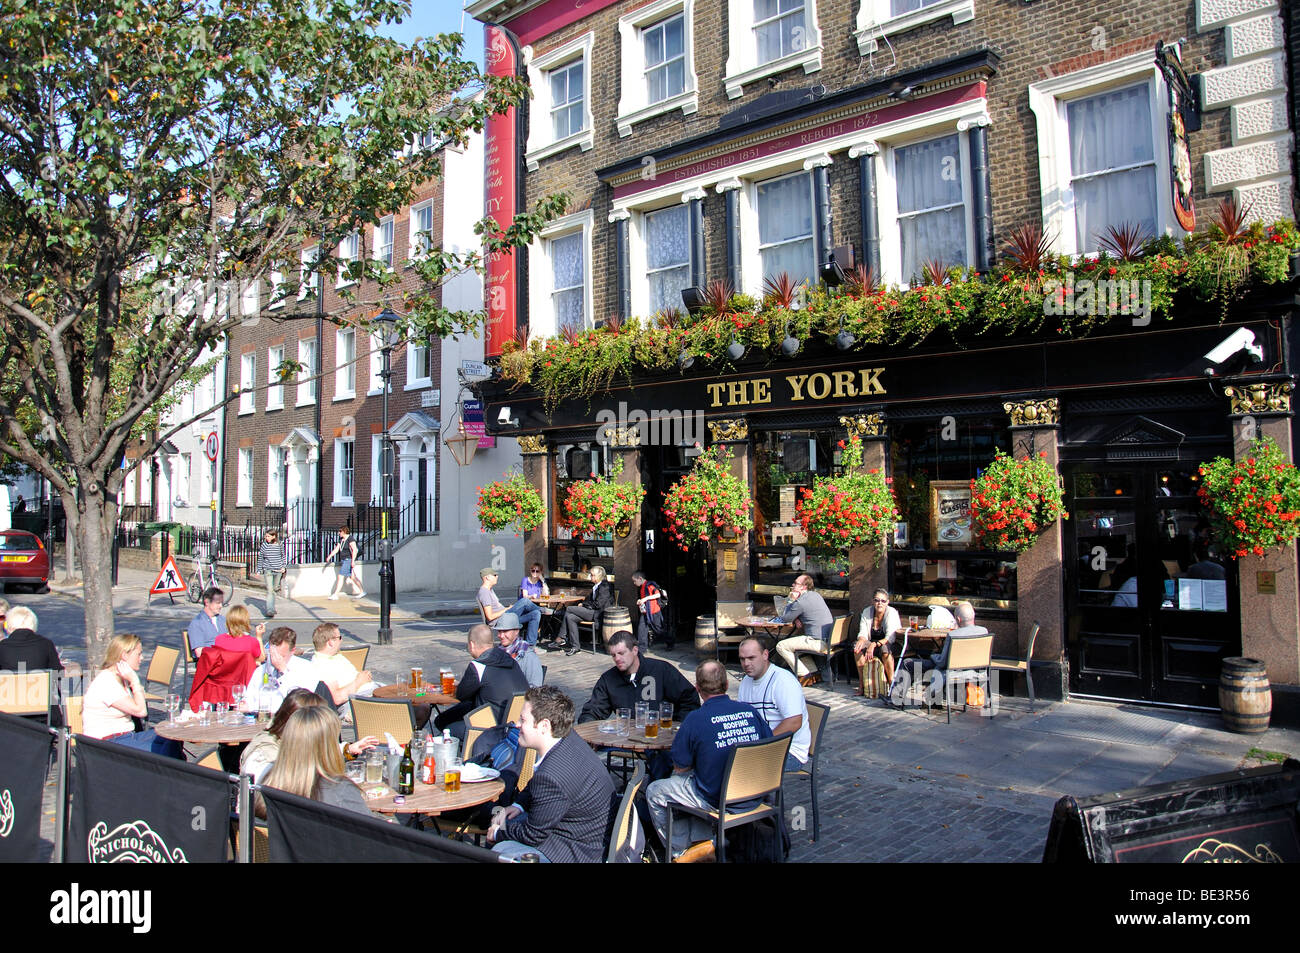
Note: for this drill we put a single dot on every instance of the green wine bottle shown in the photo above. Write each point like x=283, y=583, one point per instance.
x=406, y=772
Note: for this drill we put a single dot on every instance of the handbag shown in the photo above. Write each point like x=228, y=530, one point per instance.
x=974, y=695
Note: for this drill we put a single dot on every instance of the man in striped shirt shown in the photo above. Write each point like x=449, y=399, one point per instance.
x=271, y=560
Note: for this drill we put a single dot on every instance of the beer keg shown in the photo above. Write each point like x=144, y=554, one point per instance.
x=615, y=619
x=1245, y=695
x=706, y=636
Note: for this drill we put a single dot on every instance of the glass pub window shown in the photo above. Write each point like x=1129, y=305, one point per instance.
x=779, y=28
x=665, y=59
x=668, y=256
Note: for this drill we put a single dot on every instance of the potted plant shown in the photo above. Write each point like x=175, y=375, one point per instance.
x=603, y=505
x=1253, y=504
x=856, y=508
x=510, y=502
x=1014, y=501
x=708, y=503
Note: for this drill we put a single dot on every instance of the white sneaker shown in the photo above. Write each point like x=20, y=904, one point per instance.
x=335, y=596
x=360, y=595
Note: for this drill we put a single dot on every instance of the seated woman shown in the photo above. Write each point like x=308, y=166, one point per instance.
x=115, y=700
x=264, y=749
x=237, y=637
x=310, y=763
x=877, y=626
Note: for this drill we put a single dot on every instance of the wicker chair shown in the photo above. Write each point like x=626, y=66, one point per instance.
x=1020, y=666
x=968, y=661
x=26, y=693
x=836, y=645
x=621, y=834
x=73, y=706
x=754, y=770
x=162, y=667
x=187, y=656
x=817, y=716
x=477, y=722
x=526, y=769
x=515, y=710
x=374, y=716
x=357, y=656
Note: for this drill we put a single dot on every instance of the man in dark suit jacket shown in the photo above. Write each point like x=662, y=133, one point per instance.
x=563, y=814
x=491, y=678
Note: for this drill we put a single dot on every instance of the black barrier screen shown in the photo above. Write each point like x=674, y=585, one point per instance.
x=26, y=747
x=303, y=831
x=129, y=806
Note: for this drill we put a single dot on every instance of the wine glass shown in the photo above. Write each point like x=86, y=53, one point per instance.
x=237, y=695
x=173, y=707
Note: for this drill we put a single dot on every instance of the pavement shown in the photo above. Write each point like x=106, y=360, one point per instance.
x=894, y=785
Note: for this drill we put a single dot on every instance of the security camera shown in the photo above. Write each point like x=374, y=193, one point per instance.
x=505, y=420
x=1242, y=339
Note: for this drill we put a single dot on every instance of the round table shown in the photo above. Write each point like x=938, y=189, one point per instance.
x=431, y=799
x=191, y=732
x=764, y=626
x=635, y=741
x=423, y=705
x=556, y=600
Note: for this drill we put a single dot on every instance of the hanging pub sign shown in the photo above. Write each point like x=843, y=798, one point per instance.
x=1184, y=117
x=503, y=138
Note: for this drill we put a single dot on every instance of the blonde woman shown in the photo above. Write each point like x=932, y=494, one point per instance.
x=601, y=598
x=310, y=763
x=114, y=703
x=238, y=637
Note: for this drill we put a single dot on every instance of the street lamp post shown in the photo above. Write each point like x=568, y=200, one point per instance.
x=387, y=320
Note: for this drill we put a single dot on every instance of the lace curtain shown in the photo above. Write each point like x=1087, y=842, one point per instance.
x=785, y=227
x=567, y=268
x=668, y=256
x=931, y=204
x=1112, y=131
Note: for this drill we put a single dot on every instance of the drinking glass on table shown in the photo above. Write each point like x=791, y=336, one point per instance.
x=642, y=716
x=666, y=715
x=237, y=695
x=451, y=775
x=624, y=722
x=205, y=714
x=375, y=759
x=913, y=623
x=173, y=708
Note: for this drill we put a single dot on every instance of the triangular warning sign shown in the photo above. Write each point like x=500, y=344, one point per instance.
x=169, y=579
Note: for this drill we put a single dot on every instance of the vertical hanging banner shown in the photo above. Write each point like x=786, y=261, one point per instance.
x=26, y=746
x=472, y=414
x=503, y=150
x=1184, y=117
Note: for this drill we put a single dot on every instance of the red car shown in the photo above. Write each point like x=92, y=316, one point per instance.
x=23, y=559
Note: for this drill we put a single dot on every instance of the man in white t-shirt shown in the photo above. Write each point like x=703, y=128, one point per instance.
x=775, y=694
x=338, y=674
x=280, y=674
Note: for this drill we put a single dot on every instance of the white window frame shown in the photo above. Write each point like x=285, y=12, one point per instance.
x=275, y=293
x=250, y=301
x=376, y=340
x=876, y=20
x=1048, y=100
x=541, y=287
x=309, y=283
x=307, y=387
x=413, y=250
x=206, y=492
x=244, y=477
x=541, y=144
x=633, y=104
x=341, y=498
x=274, y=475
x=755, y=258
x=388, y=224
x=743, y=67
x=349, y=251
x=345, y=372
x=640, y=252
x=184, y=470
x=274, y=386
x=247, y=381
x=891, y=240
x=415, y=380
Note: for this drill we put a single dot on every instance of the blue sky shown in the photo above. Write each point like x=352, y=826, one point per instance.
x=431, y=17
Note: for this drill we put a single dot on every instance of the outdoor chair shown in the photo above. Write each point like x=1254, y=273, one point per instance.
x=1020, y=666
x=626, y=821
x=515, y=711
x=526, y=769
x=817, y=716
x=72, y=709
x=835, y=646
x=968, y=661
x=357, y=656
x=476, y=722
x=754, y=770
x=188, y=657
x=211, y=760
x=374, y=716
x=726, y=616
x=26, y=694
x=162, y=667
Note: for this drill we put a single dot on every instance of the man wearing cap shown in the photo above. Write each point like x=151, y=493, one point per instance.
x=491, y=678
x=507, y=629
x=528, y=612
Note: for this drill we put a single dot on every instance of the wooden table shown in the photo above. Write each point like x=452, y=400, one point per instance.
x=763, y=625
x=933, y=638
x=636, y=741
x=430, y=696
x=191, y=732
x=556, y=600
x=432, y=800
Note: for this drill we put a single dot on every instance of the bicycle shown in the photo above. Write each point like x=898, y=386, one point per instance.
x=200, y=581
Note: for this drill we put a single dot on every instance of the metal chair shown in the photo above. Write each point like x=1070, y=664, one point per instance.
x=515, y=710
x=374, y=716
x=621, y=833
x=835, y=646
x=188, y=656
x=357, y=656
x=754, y=770
x=476, y=722
x=817, y=716
x=26, y=693
x=968, y=660
x=162, y=667
x=1020, y=666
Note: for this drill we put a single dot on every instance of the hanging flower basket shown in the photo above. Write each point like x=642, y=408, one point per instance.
x=1252, y=504
x=512, y=502
x=709, y=503
x=854, y=509
x=1014, y=501
x=601, y=506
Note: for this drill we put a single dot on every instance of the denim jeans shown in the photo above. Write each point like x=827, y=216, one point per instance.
x=273, y=578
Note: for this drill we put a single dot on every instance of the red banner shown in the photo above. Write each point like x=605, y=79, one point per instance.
x=501, y=175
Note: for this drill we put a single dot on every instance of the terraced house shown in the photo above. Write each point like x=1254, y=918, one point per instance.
x=1007, y=220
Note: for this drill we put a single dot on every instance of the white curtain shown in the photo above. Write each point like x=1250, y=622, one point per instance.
x=668, y=256
x=785, y=227
x=1112, y=131
x=931, y=204
x=568, y=298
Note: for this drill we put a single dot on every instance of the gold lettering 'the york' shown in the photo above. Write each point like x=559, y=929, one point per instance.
x=740, y=393
x=819, y=385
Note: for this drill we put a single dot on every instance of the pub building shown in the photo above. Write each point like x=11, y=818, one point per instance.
x=845, y=167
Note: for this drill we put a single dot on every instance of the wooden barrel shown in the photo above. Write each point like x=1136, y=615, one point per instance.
x=615, y=619
x=1245, y=696
x=706, y=635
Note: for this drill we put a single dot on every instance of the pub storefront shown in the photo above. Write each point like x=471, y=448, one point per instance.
x=1134, y=600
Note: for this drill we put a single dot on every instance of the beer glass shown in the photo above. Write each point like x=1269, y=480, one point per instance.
x=451, y=776
x=375, y=759
x=666, y=715
x=642, y=715
x=651, y=729
x=448, y=682
x=417, y=677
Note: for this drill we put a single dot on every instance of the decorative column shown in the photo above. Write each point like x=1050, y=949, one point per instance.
x=1270, y=620
x=981, y=189
x=537, y=471
x=731, y=189
x=626, y=442
x=622, y=261
x=1040, y=589
x=818, y=165
x=733, y=557
x=865, y=153
x=866, y=575
x=694, y=200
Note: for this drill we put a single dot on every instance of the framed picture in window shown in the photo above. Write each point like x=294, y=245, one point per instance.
x=950, y=522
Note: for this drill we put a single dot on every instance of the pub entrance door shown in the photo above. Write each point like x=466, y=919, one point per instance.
x=1151, y=607
x=690, y=577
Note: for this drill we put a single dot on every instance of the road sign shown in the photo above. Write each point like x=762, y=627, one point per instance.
x=212, y=446
x=475, y=371
x=169, y=579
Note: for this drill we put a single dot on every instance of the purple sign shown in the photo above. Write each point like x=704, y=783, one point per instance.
x=471, y=412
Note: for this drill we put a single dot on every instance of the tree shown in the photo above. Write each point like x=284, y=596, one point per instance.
x=158, y=157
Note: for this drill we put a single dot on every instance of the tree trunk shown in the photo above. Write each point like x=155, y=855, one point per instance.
x=96, y=519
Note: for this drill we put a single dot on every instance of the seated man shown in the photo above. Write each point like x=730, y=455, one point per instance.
x=507, y=629
x=491, y=678
x=563, y=814
x=209, y=623
x=966, y=629
x=776, y=695
x=280, y=674
x=699, y=756
x=528, y=612
x=25, y=651
x=339, y=675
x=809, y=610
